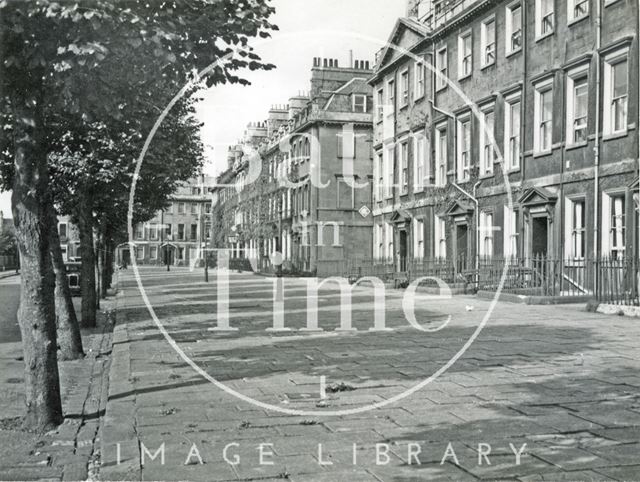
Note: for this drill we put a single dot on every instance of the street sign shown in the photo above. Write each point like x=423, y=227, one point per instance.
x=364, y=211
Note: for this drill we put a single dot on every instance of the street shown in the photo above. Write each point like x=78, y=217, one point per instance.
x=543, y=393
x=9, y=301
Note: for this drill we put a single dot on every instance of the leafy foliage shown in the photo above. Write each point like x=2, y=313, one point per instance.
x=8, y=241
x=107, y=69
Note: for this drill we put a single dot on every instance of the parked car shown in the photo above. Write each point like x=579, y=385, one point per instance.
x=73, y=277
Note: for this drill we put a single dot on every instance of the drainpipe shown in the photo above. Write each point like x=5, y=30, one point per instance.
x=521, y=242
x=432, y=143
x=473, y=197
x=596, y=149
x=638, y=167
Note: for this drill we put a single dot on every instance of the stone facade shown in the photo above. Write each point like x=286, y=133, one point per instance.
x=530, y=149
x=69, y=239
x=302, y=198
x=177, y=235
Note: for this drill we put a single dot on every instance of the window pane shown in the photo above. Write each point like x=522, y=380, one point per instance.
x=466, y=135
x=491, y=32
x=580, y=98
x=516, y=19
x=620, y=79
x=547, y=105
x=515, y=119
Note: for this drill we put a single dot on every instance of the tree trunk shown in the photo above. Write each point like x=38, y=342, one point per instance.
x=36, y=314
x=68, y=330
x=87, y=271
x=109, y=266
x=106, y=270
x=99, y=262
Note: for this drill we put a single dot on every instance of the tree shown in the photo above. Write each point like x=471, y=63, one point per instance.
x=48, y=52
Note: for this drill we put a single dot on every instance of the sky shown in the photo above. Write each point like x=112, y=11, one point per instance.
x=308, y=29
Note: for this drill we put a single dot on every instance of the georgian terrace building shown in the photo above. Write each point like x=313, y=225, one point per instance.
x=555, y=83
x=315, y=225
x=177, y=235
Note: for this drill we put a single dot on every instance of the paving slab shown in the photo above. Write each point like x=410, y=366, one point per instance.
x=556, y=380
x=66, y=452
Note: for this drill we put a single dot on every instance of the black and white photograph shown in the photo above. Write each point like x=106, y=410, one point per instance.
x=320, y=240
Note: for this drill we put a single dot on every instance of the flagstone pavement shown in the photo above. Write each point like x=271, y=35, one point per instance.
x=556, y=385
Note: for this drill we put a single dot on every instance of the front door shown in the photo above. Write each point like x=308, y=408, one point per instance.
x=461, y=247
x=402, y=251
x=539, y=237
x=168, y=255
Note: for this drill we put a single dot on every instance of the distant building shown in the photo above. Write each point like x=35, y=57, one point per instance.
x=69, y=239
x=178, y=234
x=315, y=228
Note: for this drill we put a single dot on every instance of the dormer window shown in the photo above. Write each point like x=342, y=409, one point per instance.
x=359, y=103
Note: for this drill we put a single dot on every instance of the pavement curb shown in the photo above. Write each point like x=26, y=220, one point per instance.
x=533, y=299
x=4, y=275
x=118, y=432
x=620, y=310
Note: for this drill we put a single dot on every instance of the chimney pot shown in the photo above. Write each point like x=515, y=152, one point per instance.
x=325, y=62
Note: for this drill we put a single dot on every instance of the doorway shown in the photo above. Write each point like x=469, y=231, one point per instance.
x=462, y=244
x=126, y=257
x=168, y=255
x=539, y=237
x=402, y=250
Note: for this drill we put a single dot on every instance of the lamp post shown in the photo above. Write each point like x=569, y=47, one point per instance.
x=166, y=247
x=203, y=224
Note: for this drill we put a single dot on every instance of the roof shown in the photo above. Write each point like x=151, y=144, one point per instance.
x=537, y=195
x=357, y=85
x=402, y=24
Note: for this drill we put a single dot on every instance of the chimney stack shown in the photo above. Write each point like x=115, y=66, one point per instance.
x=412, y=8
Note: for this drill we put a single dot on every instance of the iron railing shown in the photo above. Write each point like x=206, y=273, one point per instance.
x=538, y=275
x=618, y=281
x=609, y=280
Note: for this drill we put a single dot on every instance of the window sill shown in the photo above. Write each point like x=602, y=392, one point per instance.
x=441, y=88
x=577, y=145
x=420, y=97
x=615, y=135
x=404, y=106
x=512, y=170
x=513, y=52
x=544, y=36
x=577, y=20
x=486, y=66
x=610, y=2
x=468, y=76
x=488, y=175
x=542, y=153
